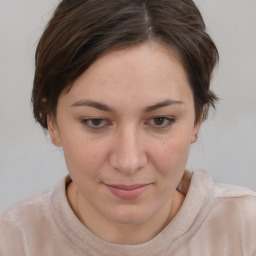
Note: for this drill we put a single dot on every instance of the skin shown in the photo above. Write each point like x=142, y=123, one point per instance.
x=143, y=125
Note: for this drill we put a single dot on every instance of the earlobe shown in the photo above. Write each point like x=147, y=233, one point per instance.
x=196, y=129
x=195, y=132
x=194, y=137
x=53, y=131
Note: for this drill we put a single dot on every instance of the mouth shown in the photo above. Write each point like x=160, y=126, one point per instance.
x=129, y=192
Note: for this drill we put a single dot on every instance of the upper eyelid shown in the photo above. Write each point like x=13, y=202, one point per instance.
x=163, y=116
x=85, y=121
x=86, y=118
x=171, y=118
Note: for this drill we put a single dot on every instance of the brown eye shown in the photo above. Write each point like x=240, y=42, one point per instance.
x=95, y=123
x=159, y=120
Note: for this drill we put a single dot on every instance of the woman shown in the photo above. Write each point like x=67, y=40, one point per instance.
x=123, y=87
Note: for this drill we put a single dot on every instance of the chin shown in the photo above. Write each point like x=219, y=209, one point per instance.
x=129, y=216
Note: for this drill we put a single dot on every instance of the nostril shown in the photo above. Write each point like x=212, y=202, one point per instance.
x=128, y=163
x=128, y=152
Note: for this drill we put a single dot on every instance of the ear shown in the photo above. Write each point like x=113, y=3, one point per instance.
x=195, y=132
x=196, y=129
x=54, y=131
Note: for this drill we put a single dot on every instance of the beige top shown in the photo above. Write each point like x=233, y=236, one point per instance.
x=215, y=219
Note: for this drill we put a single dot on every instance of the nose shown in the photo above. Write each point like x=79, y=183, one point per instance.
x=128, y=155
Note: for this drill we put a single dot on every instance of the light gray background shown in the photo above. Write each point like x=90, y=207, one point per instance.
x=227, y=143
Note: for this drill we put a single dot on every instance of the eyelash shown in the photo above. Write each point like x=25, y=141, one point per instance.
x=88, y=123
x=167, y=121
x=103, y=123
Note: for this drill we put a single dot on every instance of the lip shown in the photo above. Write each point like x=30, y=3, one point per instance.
x=129, y=192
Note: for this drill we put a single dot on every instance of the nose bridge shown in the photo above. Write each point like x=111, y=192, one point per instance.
x=128, y=155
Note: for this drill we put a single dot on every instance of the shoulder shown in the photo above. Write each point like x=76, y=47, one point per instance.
x=233, y=191
x=237, y=198
x=31, y=225
x=237, y=201
x=11, y=243
x=227, y=217
x=26, y=217
x=234, y=211
x=36, y=207
x=231, y=204
x=23, y=210
x=228, y=197
x=227, y=200
x=203, y=181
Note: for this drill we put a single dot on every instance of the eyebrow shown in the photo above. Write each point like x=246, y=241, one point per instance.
x=163, y=104
x=94, y=104
x=104, y=107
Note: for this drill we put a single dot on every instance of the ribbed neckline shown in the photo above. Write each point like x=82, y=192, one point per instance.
x=197, y=186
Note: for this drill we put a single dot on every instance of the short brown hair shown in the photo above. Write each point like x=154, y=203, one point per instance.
x=82, y=30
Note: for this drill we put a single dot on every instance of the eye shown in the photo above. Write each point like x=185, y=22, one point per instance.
x=95, y=123
x=161, y=121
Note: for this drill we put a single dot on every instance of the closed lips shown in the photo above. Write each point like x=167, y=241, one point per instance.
x=130, y=192
x=129, y=187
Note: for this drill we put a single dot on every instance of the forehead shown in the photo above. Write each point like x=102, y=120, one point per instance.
x=150, y=70
x=146, y=56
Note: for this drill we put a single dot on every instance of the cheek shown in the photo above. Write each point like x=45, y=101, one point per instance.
x=171, y=156
x=83, y=154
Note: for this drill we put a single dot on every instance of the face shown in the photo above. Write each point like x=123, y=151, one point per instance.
x=126, y=127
